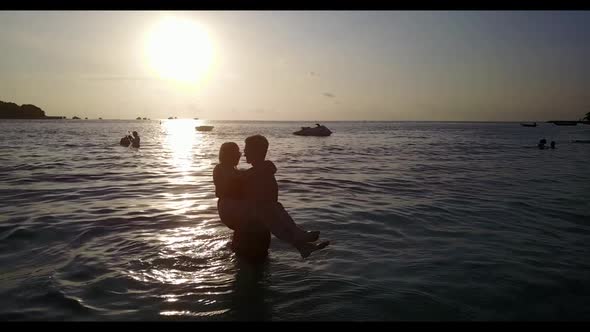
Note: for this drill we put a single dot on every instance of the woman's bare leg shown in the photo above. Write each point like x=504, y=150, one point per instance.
x=307, y=236
x=281, y=225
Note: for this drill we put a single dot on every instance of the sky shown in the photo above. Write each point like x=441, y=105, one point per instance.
x=300, y=65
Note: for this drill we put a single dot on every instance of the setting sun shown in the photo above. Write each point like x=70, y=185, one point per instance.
x=179, y=49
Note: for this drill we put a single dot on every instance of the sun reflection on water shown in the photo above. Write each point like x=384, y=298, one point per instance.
x=183, y=142
x=186, y=165
x=194, y=314
x=191, y=256
x=192, y=265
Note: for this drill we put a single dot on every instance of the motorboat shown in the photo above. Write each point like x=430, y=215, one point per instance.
x=534, y=124
x=204, y=128
x=564, y=123
x=318, y=130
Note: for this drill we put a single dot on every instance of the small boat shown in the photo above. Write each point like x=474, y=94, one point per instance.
x=581, y=141
x=204, y=128
x=145, y=118
x=170, y=118
x=318, y=130
x=564, y=123
x=534, y=124
x=75, y=118
x=138, y=118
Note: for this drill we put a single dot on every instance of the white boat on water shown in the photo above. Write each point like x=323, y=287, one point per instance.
x=204, y=128
x=318, y=130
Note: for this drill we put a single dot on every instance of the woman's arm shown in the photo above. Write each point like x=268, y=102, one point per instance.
x=269, y=166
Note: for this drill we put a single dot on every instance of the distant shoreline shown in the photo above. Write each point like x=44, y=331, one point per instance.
x=10, y=110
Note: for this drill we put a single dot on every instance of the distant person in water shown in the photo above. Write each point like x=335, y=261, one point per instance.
x=552, y=144
x=125, y=141
x=542, y=143
x=132, y=140
x=245, y=210
x=135, y=140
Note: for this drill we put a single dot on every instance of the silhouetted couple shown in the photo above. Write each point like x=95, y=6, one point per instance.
x=130, y=140
x=248, y=203
x=542, y=143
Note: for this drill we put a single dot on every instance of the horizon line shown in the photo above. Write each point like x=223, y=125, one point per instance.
x=310, y=121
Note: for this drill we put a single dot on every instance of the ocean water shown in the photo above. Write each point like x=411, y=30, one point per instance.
x=428, y=221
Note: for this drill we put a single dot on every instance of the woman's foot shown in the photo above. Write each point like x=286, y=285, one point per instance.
x=306, y=248
x=311, y=236
x=308, y=236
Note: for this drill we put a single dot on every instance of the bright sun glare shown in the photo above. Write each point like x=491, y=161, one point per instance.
x=179, y=49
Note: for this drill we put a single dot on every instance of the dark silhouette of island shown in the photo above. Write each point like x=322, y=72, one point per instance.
x=10, y=110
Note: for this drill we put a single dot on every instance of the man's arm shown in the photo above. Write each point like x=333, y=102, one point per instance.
x=269, y=166
x=261, y=183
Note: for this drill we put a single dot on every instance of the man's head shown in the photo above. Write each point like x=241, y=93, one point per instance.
x=135, y=134
x=229, y=154
x=255, y=150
